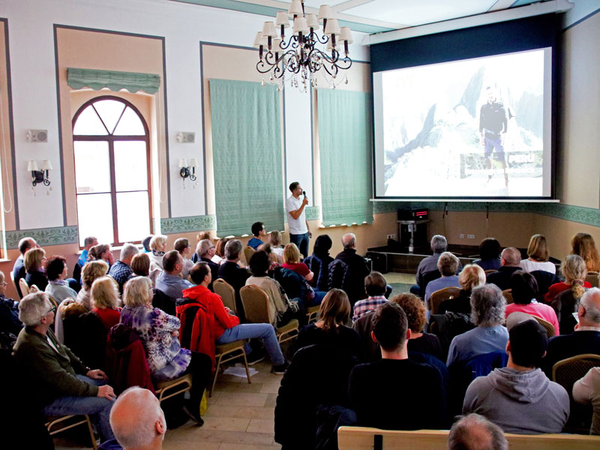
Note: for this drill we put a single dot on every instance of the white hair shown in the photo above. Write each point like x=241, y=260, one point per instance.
x=32, y=308
x=128, y=251
x=592, y=312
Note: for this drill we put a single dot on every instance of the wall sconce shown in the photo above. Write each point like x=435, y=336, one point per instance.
x=37, y=175
x=188, y=171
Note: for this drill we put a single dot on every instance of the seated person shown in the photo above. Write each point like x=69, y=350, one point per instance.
x=105, y=297
x=330, y=329
x=319, y=262
x=159, y=332
x=489, y=254
x=219, y=257
x=427, y=265
x=226, y=326
x=448, y=266
x=539, y=255
x=169, y=281
x=475, y=432
x=102, y=252
x=376, y=389
x=205, y=250
x=587, y=392
x=281, y=308
x=574, y=270
x=375, y=285
x=471, y=276
x=525, y=292
x=583, y=245
x=416, y=315
x=61, y=381
x=519, y=398
x=58, y=287
x=121, y=270
x=231, y=272
x=9, y=310
x=357, y=268
x=182, y=245
x=140, y=265
x=158, y=247
x=19, y=268
x=276, y=247
x=88, y=243
x=291, y=260
x=258, y=230
x=489, y=335
x=35, y=274
x=509, y=260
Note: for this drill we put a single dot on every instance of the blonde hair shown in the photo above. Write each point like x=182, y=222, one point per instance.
x=140, y=264
x=583, y=245
x=157, y=241
x=93, y=270
x=104, y=293
x=275, y=238
x=538, y=248
x=137, y=292
x=471, y=276
x=575, y=271
x=335, y=309
x=33, y=259
x=291, y=254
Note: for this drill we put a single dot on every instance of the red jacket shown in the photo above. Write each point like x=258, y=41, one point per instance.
x=218, y=317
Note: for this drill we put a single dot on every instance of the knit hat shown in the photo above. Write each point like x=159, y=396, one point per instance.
x=528, y=343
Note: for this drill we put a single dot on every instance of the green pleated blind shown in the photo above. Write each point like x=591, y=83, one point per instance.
x=345, y=142
x=115, y=81
x=247, y=156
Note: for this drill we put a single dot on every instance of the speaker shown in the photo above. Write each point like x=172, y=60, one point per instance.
x=37, y=135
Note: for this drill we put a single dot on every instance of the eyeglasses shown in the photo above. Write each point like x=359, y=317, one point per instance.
x=53, y=309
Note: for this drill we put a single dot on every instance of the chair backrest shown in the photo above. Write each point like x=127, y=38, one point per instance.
x=256, y=304
x=427, y=278
x=248, y=252
x=567, y=371
x=18, y=288
x=547, y=325
x=24, y=287
x=164, y=302
x=487, y=272
x=292, y=283
x=507, y=294
x=440, y=295
x=226, y=292
x=544, y=280
x=593, y=278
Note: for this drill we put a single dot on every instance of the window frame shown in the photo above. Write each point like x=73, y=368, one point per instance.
x=110, y=139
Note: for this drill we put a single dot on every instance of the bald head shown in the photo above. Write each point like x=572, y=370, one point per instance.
x=137, y=420
x=475, y=432
x=511, y=257
x=589, y=308
x=349, y=240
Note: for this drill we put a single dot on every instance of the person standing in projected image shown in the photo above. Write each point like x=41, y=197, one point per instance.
x=493, y=125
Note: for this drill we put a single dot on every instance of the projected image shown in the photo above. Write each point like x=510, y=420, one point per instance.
x=470, y=128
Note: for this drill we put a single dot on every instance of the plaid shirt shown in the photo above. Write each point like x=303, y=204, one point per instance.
x=121, y=273
x=363, y=307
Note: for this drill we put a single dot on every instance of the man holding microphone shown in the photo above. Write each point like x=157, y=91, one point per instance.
x=294, y=208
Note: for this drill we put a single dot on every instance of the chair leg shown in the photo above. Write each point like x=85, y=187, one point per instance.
x=216, y=375
x=91, y=430
x=247, y=369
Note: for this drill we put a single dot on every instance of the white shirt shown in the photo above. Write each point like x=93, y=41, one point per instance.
x=530, y=266
x=297, y=226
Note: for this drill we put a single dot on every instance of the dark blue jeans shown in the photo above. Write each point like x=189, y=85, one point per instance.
x=301, y=241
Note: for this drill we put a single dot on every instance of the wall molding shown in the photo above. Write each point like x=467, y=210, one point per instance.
x=44, y=236
x=188, y=224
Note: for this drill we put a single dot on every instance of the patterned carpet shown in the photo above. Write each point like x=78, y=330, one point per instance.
x=400, y=288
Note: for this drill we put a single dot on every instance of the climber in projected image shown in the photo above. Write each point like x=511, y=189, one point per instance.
x=493, y=124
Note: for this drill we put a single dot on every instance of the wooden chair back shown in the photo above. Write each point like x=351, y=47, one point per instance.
x=439, y=296
x=256, y=304
x=487, y=272
x=248, y=252
x=593, y=278
x=547, y=325
x=567, y=371
x=226, y=292
x=507, y=293
x=24, y=287
x=12, y=278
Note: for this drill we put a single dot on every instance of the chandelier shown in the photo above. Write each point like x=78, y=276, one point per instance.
x=300, y=55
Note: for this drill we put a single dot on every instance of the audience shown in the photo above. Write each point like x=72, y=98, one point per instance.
x=140, y=265
x=509, y=260
x=475, y=432
x=275, y=239
x=281, y=309
x=574, y=270
x=583, y=245
x=9, y=310
x=357, y=268
x=319, y=262
x=258, y=230
x=519, y=398
x=182, y=245
x=88, y=243
x=91, y=272
x=489, y=254
x=471, y=276
x=59, y=379
x=225, y=325
x=158, y=247
x=428, y=265
x=587, y=392
x=396, y=393
x=102, y=252
x=105, y=298
x=448, y=266
x=538, y=253
x=19, y=267
x=566, y=302
x=137, y=420
x=146, y=243
x=33, y=261
x=233, y=274
x=219, y=257
x=58, y=287
x=585, y=338
x=291, y=260
x=206, y=251
x=489, y=335
x=169, y=281
x=375, y=285
x=121, y=270
x=416, y=315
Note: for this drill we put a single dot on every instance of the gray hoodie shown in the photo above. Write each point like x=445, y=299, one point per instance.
x=519, y=402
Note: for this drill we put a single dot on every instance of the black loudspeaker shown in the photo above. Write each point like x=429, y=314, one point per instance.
x=379, y=261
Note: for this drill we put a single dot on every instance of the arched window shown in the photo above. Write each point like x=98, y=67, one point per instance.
x=112, y=166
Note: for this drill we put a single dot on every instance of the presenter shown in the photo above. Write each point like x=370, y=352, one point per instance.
x=493, y=124
x=294, y=208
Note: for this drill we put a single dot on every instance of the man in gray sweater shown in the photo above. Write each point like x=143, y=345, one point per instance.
x=520, y=398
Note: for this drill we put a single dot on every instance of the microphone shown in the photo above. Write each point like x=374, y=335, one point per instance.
x=304, y=193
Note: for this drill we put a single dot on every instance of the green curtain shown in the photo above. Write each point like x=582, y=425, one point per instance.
x=115, y=81
x=247, y=156
x=345, y=142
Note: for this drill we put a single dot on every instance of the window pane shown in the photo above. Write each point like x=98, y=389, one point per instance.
x=92, y=166
x=131, y=169
x=89, y=124
x=130, y=124
x=110, y=111
x=133, y=216
x=94, y=213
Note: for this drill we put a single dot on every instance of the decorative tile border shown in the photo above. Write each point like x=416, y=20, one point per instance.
x=44, y=236
x=580, y=214
x=186, y=224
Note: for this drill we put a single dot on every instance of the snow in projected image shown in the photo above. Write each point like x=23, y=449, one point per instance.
x=471, y=128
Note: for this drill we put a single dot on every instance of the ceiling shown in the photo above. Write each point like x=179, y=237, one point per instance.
x=374, y=16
